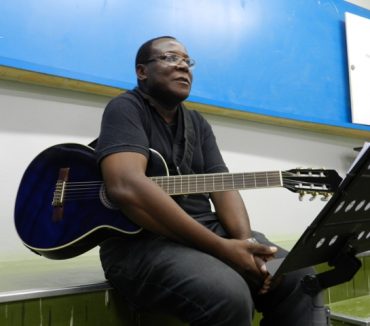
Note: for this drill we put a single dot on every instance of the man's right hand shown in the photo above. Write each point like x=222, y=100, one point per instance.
x=249, y=258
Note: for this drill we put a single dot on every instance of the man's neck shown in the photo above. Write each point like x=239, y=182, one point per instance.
x=167, y=111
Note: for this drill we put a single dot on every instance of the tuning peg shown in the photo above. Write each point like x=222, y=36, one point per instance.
x=310, y=171
x=325, y=196
x=322, y=174
x=313, y=196
x=297, y=171
x=301, y=195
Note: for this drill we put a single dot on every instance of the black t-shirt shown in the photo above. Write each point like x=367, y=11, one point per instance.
x=131, y=124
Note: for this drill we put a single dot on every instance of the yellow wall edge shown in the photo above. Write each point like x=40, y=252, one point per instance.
x=30, y=77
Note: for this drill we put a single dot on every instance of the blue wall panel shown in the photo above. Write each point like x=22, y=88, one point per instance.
x=281, y=58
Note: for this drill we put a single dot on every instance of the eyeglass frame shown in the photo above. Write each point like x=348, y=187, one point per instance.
x=189, y=61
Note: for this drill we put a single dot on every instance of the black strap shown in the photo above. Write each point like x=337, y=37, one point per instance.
x=189, y=134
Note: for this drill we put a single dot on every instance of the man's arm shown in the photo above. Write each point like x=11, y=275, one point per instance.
x=147, y=205
x=150, y=207
x=232, y=214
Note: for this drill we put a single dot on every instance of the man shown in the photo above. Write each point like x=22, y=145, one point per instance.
x=206, y=268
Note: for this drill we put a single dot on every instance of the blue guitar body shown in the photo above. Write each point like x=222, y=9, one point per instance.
x=83, y=224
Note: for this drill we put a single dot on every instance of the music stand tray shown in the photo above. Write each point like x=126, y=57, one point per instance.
x=338, y=233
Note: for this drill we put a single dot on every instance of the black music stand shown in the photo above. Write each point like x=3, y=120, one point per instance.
x=337, y=235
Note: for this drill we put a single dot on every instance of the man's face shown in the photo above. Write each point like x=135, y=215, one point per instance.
x=164, y=80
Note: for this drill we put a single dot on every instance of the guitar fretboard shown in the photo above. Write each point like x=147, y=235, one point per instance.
x=203, y=183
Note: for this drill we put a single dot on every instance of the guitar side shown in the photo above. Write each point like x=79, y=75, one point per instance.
x=82, y=224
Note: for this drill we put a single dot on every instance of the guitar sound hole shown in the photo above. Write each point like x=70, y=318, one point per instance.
x=105, y=200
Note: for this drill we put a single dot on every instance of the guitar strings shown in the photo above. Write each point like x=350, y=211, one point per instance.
x=82, y=190
x=219, y=181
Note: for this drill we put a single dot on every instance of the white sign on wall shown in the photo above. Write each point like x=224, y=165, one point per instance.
x=358, y=50
x=362, y=3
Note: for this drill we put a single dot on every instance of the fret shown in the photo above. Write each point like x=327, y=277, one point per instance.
x=171, y=182
x=178, y=185
x=187, y=182
x=227, y=181
x=276, y=179
x=172, y=185
x=261, y=180
x=167, y=185
x=218, y=182
x=249, y=180
x=198, y=183
x=157, y=180
x=202, y=182
x=192, y=185
x=169, y=189
x=238, y=181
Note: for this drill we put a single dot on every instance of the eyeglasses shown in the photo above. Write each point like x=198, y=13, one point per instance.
x=173, y=59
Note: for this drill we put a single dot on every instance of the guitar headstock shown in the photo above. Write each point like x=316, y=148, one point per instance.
x=316, y=182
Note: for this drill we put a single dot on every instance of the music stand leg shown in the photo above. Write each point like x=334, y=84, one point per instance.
x=345, y=267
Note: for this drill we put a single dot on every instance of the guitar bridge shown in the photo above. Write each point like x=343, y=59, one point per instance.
x=58, y=197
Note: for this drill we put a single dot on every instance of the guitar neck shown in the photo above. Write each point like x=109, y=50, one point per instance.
x=213, y=182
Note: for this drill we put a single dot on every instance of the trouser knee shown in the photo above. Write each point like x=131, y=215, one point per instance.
x=231, y=305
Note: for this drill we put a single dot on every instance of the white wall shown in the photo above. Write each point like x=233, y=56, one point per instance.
x=33, y=118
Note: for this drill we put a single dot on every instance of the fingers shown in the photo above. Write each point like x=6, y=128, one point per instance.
x=260, y=249
x=252, y=240
x=261, y=264
x=260, y=281
x=266, y=286
x=261, y=254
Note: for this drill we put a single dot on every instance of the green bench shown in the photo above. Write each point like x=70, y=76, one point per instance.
x=349, y=302
x=69, y=292
x=75, y=292
x=354, y=311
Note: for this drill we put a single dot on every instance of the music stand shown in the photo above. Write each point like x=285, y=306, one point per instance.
x=337, y=235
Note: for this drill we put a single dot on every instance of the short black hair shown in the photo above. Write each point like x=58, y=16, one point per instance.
x=145, y=50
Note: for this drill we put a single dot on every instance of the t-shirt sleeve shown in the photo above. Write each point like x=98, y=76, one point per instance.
x=122, y=129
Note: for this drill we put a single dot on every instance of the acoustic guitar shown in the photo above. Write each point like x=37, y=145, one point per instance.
x=62, y=209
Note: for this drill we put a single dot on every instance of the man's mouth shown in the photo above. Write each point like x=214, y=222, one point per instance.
x=183, y=80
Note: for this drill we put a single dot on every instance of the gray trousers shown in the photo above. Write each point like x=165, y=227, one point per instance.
x=156, y=274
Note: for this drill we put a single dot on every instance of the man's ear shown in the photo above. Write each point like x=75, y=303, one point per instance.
x=141, y=72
